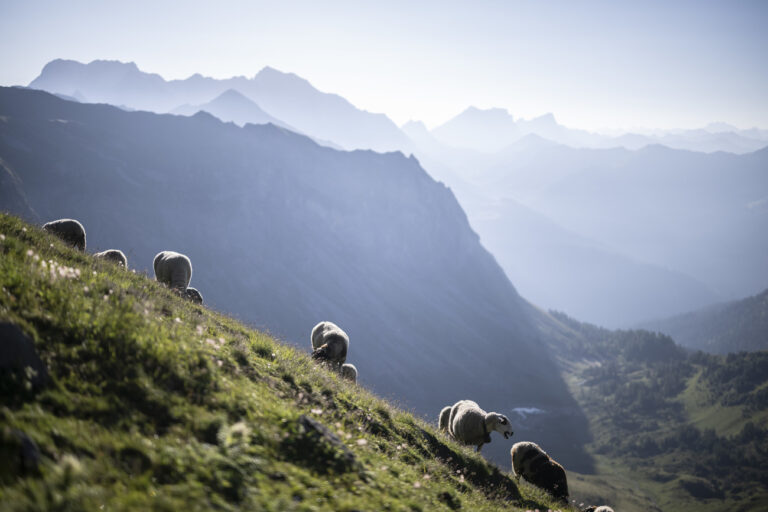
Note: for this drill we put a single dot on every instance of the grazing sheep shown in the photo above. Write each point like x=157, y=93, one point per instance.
x=113, y=255
x=173, y=269
x=469, y=424
x=601, y=508
x=329, y=344
x=445, y=415
x=538, y=468
x=69, y=230
x=193, y=295
x=349, y=371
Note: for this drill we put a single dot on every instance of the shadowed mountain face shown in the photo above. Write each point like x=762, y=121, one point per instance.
x=285, y=96
x=736, y=326
x=284, y=233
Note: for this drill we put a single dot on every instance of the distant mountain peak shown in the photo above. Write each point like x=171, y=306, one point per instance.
x=232, y=94
x=414, y=125
x=494, y=112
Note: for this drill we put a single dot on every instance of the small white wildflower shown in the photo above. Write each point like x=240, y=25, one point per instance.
x=106, y=297
x=212, y=343
x=50, y=245
x=2, y=237
x=416, y=485
x=362, y=442
x=94, y=272
x=36, y=258
x=24, y=230
x=219, y=362
x=177, y=320
x=199, y=330
x=221, y=341
x=30, y=252
x=86, y=289
x=427, y=477
x=316, y=411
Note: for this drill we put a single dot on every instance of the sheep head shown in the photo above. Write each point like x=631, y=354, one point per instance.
x=499, y=423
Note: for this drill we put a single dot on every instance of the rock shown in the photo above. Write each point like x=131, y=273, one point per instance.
x=315, y=446
x=17, y=353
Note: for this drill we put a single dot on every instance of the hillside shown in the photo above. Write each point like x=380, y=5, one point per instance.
x=283, y=233
x=145, y=401
x=672, y=430
x=729, y=327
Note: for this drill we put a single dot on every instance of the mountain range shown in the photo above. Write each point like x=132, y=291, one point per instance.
x=287, y=97
x=494, y=129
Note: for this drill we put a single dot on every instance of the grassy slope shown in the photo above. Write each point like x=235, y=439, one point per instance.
x=157, y=403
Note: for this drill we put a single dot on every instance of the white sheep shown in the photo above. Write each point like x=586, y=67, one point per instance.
x=113, y=255
x=537, y=467
x=349, y=371
x=329, y=344
x=173, y=269
x=193, y=295
x=601, y=508
x=69, y=230
x=468, y=424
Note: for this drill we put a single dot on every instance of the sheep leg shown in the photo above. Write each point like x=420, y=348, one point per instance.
x=479, y=447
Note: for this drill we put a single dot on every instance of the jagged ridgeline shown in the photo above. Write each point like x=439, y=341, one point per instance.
x=284, y=233
x=129, y=397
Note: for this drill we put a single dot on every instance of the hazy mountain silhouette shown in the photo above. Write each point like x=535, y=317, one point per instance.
x=285, y=96
x=232, y=106
x=693, y=214
x=283, y=233
x=735, y=326
x=491, y=130
x=566, y=272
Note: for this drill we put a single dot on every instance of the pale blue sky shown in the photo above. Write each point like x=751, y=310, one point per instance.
x=595, y=64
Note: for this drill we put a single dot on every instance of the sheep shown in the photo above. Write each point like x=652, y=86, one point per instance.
x=445, y=415
x=173, y=269
x=601, y=508
x=538, y=468
x=69, y=230
x=113, y=255
x=329, y=344
x=349, y=371
x=468, y=424
x=193, y=295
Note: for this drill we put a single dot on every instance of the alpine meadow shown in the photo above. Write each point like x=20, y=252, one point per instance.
x=406, y=257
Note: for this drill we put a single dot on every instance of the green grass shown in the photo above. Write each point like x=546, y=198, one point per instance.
x=725, y=420
x=156, y=403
